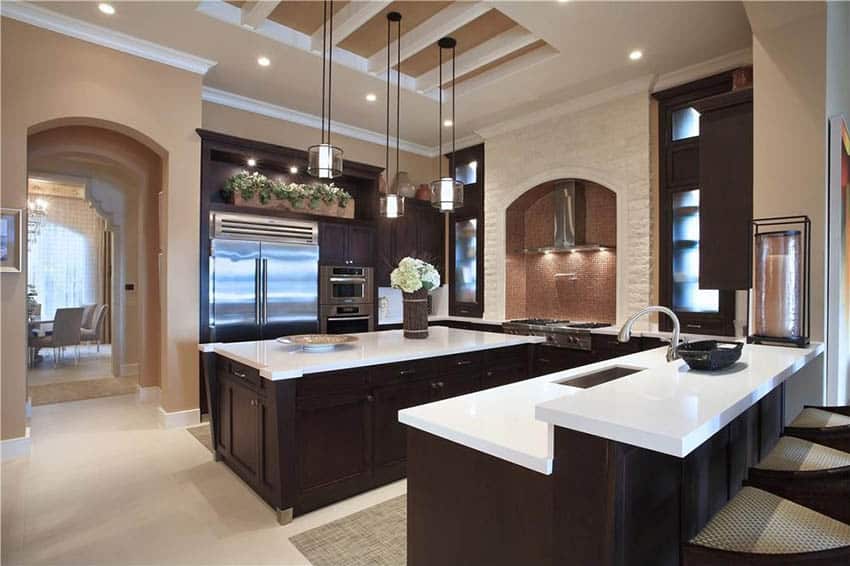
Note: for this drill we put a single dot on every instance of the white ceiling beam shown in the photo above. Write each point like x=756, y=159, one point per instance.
x=491, y=50
x=348, y=20
x=428, y=32
x=254, y=13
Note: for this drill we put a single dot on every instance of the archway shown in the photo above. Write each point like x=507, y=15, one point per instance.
x=544, y=280
x=122, y=172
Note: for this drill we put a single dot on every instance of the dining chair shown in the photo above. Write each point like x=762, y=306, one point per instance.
x=94, y=332
x=66, y=332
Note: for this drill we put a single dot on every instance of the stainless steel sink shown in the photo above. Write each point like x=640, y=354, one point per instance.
x=599, y=377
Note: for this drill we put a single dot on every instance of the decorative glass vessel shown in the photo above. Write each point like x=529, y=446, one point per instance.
x=324, y=161
x=778, y=285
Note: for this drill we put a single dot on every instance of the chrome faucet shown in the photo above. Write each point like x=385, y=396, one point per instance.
x=626, y=331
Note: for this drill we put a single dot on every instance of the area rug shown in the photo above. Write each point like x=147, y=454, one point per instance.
x=202, y=434
x=83, y=389
x=376, y=536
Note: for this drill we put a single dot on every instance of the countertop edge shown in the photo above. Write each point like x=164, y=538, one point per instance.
x=523, y=459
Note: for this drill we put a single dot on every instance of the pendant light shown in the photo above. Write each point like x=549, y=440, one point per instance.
x=325, y=160
x=392, y=204
x=446, y=192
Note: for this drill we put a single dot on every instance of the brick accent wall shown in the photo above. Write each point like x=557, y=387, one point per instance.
x=574, y=286
x=608, y=145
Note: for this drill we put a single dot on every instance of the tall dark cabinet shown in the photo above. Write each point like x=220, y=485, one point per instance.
x=705, y=201
x=466, y=236
x=419, y=233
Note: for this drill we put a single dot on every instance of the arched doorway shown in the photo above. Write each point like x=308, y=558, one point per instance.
x=121, y=179
x=543, y=280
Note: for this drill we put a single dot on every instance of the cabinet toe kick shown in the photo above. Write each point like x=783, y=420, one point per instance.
x=284, y=516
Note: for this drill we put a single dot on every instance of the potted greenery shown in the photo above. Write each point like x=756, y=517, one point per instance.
x=255, y=189
x=415, y=278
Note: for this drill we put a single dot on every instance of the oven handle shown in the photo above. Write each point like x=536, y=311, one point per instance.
x=336, y=318
x=347, y=279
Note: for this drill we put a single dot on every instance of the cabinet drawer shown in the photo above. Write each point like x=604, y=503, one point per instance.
x=401, y=372
x=332, y=382
x=240, y=373
x=461, y=363
x=495, y=376
x=605, y=346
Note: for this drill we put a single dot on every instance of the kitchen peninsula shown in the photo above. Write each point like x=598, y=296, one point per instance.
x=307, y=429
x=616, y=462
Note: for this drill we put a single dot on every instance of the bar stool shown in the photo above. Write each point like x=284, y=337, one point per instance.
x=810, y=474
x=757, y=527
x=829, y=426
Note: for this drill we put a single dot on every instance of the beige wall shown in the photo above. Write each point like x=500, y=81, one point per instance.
x=48, y=77
x=271, y=130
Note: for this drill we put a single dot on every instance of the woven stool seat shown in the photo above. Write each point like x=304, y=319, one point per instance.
x=758, y=522
x=818, y=418
x=797, y=455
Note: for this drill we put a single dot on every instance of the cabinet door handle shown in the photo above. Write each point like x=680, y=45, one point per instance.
x=694, y=325
x=464, y=362
x=489, y=373
x=238, y=373
x=253, y=402
x=434, y=385
x=369, y=398
x=407, y=372
x=543, y=360
x=440, y=384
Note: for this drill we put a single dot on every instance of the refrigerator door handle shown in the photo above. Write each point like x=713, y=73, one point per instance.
x=258, y=291
x=265, y=301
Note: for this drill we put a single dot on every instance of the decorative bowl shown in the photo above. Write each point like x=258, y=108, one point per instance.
x=317, y=342
x=710, y=355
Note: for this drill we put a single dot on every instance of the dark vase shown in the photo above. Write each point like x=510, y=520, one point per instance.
x=415, y=314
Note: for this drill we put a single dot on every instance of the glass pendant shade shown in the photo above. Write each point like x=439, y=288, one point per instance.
x=324, y=161
x=446, y=194
x=392, y=206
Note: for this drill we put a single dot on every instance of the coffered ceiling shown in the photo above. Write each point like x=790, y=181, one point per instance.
x=513, y=58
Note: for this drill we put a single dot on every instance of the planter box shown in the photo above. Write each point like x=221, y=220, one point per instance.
x=323, y=209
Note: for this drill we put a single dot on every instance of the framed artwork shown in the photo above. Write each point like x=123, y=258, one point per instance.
x=11, y=239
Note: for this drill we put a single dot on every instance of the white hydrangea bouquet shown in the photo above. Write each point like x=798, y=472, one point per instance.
x=414, y=274
x=415, y=278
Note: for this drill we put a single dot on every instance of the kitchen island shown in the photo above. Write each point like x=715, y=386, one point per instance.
x=307, y=429
x=616, y=462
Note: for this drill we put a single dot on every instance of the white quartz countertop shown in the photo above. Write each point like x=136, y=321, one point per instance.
x=666, y=407
x=279, y=361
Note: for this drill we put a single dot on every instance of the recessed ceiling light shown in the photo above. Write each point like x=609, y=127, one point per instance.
x=448, y=123
x=563, y=1
x=106, y=8
x=263, y=61
x=251, y=162
x=636, y=54
x=293, y=170
x=371, y=97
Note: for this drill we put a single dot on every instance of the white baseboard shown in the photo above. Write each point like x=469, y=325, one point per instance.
x=149, y=394
x=15, y=447
x=179, y=419
x=126, y=370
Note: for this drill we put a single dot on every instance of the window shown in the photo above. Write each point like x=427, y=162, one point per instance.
x=685, y=123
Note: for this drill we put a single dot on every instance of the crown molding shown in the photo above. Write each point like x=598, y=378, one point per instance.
x=707, y=68
x=103, y=36
x=239, y=102
x=634, y=86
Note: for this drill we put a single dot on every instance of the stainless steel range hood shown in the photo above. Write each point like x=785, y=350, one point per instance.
x=569, y=233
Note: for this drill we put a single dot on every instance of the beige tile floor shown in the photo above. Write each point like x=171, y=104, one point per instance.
x=92, y=365
x=105, y=485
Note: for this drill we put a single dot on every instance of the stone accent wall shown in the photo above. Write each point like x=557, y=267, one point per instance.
x=607, y=144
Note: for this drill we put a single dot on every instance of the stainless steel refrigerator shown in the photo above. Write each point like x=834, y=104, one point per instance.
x=264, y=277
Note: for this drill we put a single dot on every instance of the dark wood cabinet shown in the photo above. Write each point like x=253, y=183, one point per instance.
x=726, y=187
x=419, y=233
x=466, y=236
x=390, y=444
x=346, y=244
x=334, y=447
x=694, y=242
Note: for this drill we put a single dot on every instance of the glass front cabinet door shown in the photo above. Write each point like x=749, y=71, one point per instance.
x=466, y=233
